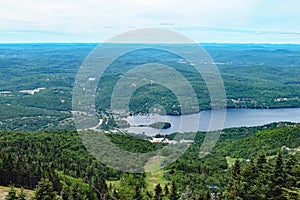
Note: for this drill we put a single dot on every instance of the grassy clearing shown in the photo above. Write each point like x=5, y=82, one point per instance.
x=154, y=178
x=154, y=163
x=231, y=161
x=113, y=183
x=155, y=175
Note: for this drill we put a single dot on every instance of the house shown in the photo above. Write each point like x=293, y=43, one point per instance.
x=169, y=141
x=156, y=140
x=162, y=140
x=186, y=141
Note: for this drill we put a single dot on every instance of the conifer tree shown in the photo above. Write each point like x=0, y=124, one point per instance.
x=166, y=190
x=12, y=195
x=45, y=191
x=236, y=170
x=148, y=195
x=261, y=161
x=158, y=192
x=235, y=189
x=22, y=195
x=278, y=178
x=137, y=194
x=174, y=194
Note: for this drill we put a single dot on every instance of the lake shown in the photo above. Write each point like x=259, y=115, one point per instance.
x=200, y=121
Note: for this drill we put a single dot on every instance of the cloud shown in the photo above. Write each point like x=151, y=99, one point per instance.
x=101, y=18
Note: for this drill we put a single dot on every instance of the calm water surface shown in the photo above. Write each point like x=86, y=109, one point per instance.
x=201, y=121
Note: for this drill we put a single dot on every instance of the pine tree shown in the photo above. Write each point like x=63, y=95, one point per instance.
x=261, y=161
x=99, y=186
x=292, y=171
x=236, y=170
x=76, y=194
x=158, y=192
x=22, y=195
x=166, y=190
x=248, y=180
x=137, y=194
x=235, y=189
x=174, y=195
x=65, y=192
x=278, y=178
x=261, y=186
x=45, y=191
x=12, y=195
x=148, y=195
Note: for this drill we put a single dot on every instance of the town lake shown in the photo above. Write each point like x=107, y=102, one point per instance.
x=200, y=121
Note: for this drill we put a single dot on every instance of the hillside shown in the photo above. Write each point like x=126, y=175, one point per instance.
x=36, y=92
x=61, y=157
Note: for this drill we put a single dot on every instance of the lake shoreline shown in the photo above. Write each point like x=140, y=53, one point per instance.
x=228, y=118
x=230, y=107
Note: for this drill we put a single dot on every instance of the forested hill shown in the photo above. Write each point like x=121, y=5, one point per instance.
x=59, y=157
x=36, y=91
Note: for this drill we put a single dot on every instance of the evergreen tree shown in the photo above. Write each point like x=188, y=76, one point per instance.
x=148, y=195
x=22, y=195
x=248, y=180
x=166, y=190
x=236, y=170
x=12, y=195
x=45, y=191
x=158, y=192
x=76, y=194
x=292, y=170
x=292, y=194
x=137, y=194
x=278, y=178
x=235, y=187
x=174, y=195
x=261, y=161
x=260, y=185
x=65, y=192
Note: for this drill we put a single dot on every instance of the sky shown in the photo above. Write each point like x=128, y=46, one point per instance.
x=213, y=21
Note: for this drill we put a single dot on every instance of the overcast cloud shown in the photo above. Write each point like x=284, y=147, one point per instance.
x=267, y=21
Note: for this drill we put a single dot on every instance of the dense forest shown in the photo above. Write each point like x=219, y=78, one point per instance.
x=41, y=150
x=247, y=163
x=36, y=93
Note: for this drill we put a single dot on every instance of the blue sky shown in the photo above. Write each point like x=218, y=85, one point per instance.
x=221, y=21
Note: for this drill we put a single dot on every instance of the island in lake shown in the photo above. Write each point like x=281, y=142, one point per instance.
x=157, y=125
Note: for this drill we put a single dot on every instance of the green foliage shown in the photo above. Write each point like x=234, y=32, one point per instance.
x=45, y=191
x=75, y=189
x=29, y=157
x=22, y=195
x=160, y=125
x=132, y=144
x=54, y=67
x=174, y=194
x=130, y=186
x=60, y=157
x=158, y=195
x=137, y=195
x=12, y=194
x=166, y=190
x=264, y=180
x=268, y=141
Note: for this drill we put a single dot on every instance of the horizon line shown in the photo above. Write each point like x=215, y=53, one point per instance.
x=94, y=42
